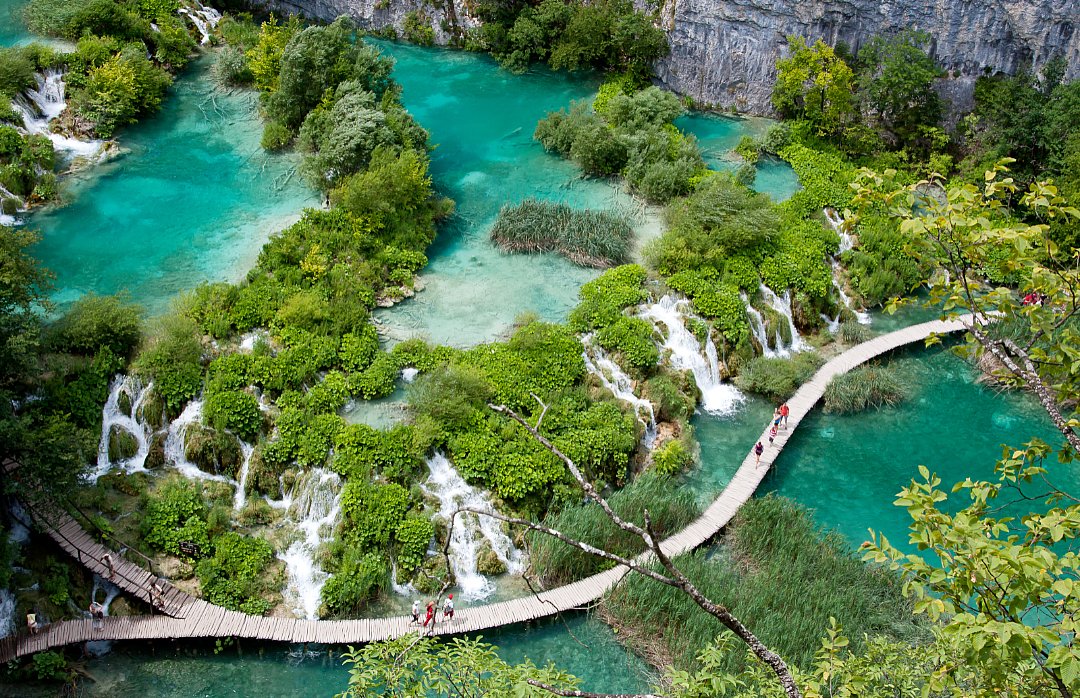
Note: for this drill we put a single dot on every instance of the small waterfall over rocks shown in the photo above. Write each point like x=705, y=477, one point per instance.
x=114, y=417
x=38, y=107
x=686, y=353
x=7, y=612
x=175, y=452
x=97, y=648
x=18, y=535
x=760, y=332
x=612, y=377
x=240, y=498
x=314, y=507
x=836, y=222
x=782, y=305
x=470, y=530
x=203, y=18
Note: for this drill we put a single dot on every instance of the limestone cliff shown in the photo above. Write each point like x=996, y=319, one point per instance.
x=724, y=52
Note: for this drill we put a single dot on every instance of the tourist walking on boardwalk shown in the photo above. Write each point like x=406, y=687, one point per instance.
x=772, y=433
x=430, y=618
x=776, y=417
x=784, y=411
x=31, y=623
x=758, y=450
x=448, y=609
x=106, y=560
x=97, y=612
x=416, y=611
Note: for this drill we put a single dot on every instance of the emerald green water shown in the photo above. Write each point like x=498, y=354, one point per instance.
x=12, y=29
x=194, y=199
x=583, y=646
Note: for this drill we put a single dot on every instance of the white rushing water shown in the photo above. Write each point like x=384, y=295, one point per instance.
x=612, y=377
x=112, y=416
x=7, y=612
x=861, y=316
x=204, y=18
x=18, y=535
x=782, y=305
x=38, y=107
x=314, y=509
x=240, y=498
x=770, y=347
x=109, y=592
x=686, y=353
x=469, y=530
x=175, y=452
x=836, y=222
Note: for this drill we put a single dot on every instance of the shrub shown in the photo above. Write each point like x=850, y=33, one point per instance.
x=233, y=577
x=95, y=321
x=118, y=91
x=358, y=578
x=604, y=298
x=775, y=378
x=863, y=387
x=588, y=238
x=417, y=29
x=672, y=458
x=234, y=410
x=275, y=136
x=174, y=513
x=413, y=537
x=171, y=359
x=632, y=339
x=373, y=512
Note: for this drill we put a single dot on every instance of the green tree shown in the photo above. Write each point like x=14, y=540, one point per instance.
x=896, y=79
x=815, y=84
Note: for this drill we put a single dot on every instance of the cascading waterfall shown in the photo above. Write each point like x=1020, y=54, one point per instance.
x=18, y=535
x=612, y=377
x=314, y=508
x=204, y=18
x=407, y=590
x=112, y=416
x=38, y=107
x=686, y=354
x=782, y=305
x=240, y=498
x=836, y=222
x=469, y=530
x=861, y=316
x=174, y=445
x=761, y=334
x=7, y=612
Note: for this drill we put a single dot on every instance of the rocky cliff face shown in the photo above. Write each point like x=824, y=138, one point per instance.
x=724, y=52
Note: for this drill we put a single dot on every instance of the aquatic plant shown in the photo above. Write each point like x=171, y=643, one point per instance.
x=864, y=387
x=777, y=378
x=780, y=573
x=589, y=238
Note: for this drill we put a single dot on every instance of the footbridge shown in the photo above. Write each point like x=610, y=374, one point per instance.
x=184, y=616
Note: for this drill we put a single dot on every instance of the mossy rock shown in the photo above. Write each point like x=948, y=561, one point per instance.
x=264, y=478
x=431, y=575
x=124, y=403
x=256, y=512
x=133, y=484
x=122, y=444
x=10, y=206
x=488, y=563
x=155, y=456
x=213, y=451
x=152, y=411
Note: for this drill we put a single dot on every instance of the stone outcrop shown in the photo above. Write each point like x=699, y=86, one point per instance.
x=724, y=52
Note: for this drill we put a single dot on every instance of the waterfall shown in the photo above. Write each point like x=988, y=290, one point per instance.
x=614, y=379
x=240, y=498
x=174, y=445
x=409, y=374
x=7, y=613
x=761, y=333
x=314, y=507
x=113, y=416
x=453, y=492
x=782, y=305
x=38, y=107
x=862, y=316
x=407, y=590
x=204, y=18
x=836, y=222
x=686, y=354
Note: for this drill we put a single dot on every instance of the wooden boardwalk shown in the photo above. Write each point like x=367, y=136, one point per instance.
x=187, y=617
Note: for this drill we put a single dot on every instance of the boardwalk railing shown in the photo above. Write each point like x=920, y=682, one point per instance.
x=188, y=617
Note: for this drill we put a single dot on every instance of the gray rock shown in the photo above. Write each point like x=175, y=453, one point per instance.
x=724, y=52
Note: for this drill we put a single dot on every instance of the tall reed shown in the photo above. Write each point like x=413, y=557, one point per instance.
x=587, y=238
x=864, y=387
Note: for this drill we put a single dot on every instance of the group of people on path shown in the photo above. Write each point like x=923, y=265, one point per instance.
x=779, y=421
x=448, y=612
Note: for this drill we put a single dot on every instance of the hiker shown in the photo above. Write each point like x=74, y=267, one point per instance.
x=772, y=433
x=448, y=608
x=97, y=612
x=106, y=560
x=784, y=411
x=31, y=623
x=430, y=618
x=776, y=417
x=416, y=611
x=157, y=595
x=758, y=450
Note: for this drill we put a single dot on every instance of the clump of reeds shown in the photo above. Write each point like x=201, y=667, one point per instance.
x=783, y=577
x=854, y=333
x=777, y=378
x=670, y=506
x=588, y=238
x=862, y=388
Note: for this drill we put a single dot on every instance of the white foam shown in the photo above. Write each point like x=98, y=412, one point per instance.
x=611, y=375
x=314, y=509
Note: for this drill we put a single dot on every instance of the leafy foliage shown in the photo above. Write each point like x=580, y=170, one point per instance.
x=175, y=512
x=233, y=576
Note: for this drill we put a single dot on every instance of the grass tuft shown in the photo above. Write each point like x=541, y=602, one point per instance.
x=862, y=388
x=588, y=238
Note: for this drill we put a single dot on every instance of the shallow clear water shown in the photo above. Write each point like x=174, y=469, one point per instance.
x=194, y=199
x=12, y=29
x=717, y=136
x=273, y=671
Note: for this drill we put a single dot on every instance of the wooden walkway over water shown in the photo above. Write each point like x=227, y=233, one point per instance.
x=184, y=616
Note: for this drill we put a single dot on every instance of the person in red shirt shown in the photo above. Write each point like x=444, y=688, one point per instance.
x=784, y=411
x=430, y=615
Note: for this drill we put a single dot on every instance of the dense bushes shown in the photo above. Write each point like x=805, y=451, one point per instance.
x=609, y=35
x=633, y=136
x=174, y=513
x=96, y=321
x=588, y=238
x=778, y=379
x=234, y=577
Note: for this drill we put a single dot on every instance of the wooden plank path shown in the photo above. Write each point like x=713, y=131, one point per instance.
x=188, y=617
